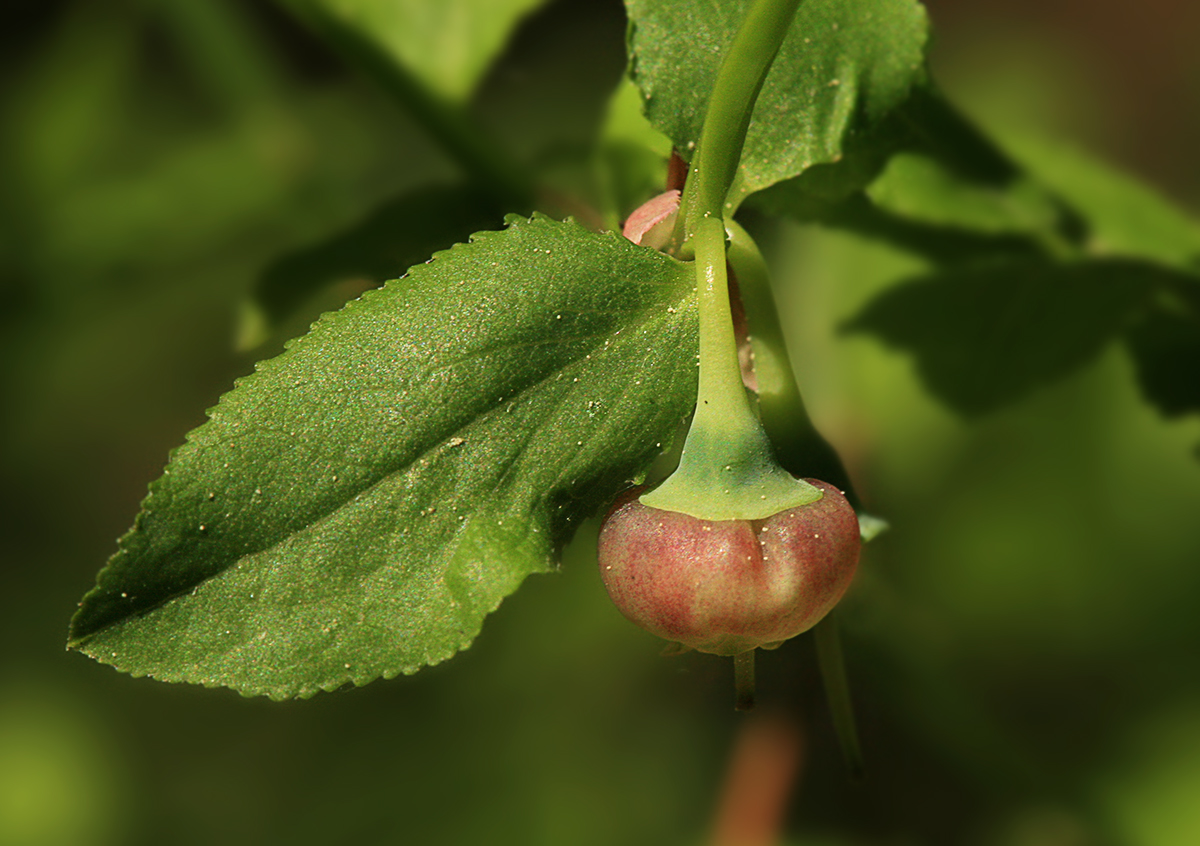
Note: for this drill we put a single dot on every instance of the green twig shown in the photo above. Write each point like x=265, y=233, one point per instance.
x=743, y=680
x=837, y=692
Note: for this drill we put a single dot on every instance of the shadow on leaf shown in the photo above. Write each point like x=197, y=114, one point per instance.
x=986, y=336
x=1165, y=346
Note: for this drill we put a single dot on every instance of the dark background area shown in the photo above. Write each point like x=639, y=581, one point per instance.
x=1023, y=643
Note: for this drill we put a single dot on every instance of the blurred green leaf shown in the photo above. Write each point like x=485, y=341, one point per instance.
x=447, y=45
x=1125, y=217
x=195, y=194
x=359, y=504
x=349, y=27
x=939, y=188
x=1151, y=792
x=921, y=189
x=625, y=122
x=546, y=101
x=988, y=335
x=1165, y=345
x=67, y=104
x=935, y=241
x=400, y=233
x=843, y=70
x=919, y=204
x=960, y=158
x=632, y=158
x=224, y=49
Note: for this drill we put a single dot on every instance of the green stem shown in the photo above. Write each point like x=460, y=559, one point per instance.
x=721, y=402
x=837, y=692
x=727, y=470
x=800, y=448
x=732, y=102
x=743, y=680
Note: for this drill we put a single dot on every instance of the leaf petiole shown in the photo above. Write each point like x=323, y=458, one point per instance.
x=730, y=106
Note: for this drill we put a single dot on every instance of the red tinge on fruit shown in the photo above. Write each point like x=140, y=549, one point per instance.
x=729, y=586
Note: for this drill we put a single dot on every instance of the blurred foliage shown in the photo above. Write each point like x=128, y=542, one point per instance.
x=1022, y=644
x=987, y=334
x=447, y=46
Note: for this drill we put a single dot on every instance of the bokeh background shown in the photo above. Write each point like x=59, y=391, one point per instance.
x=1023, y=644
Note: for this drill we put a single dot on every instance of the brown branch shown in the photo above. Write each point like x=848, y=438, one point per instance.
x=760, y=778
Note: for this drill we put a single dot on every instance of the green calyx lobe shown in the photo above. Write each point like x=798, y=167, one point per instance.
x=728, y=469
x=722, y=479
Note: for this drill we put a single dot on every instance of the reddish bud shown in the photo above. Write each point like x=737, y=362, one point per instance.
x=653, y=221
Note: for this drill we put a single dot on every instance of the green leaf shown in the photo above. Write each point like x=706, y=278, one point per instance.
x=988, y=335
x=943, y=191
x=448, y=45
x=843, y=70
x=356, y=507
